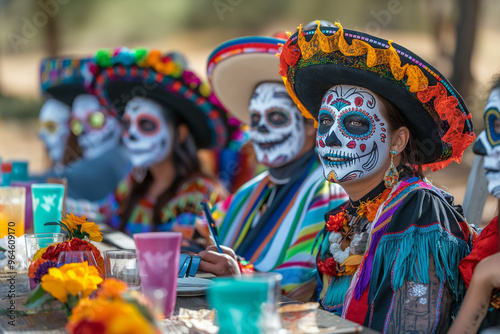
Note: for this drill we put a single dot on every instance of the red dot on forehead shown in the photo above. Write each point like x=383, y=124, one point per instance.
x=358, y=101
x=329, y=98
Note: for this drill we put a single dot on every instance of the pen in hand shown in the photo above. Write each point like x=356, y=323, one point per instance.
x=211, y=226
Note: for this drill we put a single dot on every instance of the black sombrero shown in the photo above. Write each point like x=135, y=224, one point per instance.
x=312, y=61
x=118, y=76
x=62, y=78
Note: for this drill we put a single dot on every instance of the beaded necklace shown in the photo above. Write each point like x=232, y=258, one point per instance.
x=342, y=227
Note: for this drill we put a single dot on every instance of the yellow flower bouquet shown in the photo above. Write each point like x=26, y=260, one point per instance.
x=69, y=284
x=79, y=233
x=114, y=311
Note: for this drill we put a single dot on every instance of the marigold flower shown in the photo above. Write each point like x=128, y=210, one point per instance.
x=78, y=279
x=53, y=283
x=43, y=269
x=335, y=222
x=52, y=252
x=328, y=267
x=39, y=253
x=116, y=316
x=71, y=221
x=93, y=230
x=34, y=266
x=111, y=288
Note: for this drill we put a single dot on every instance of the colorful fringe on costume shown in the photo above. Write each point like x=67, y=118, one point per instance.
x=413, y=227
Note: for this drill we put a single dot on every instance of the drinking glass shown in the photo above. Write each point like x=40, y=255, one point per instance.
x=122, y=264
x=47, y=206
x=66, y=257
x=158, y=254
x=41, y=240
x=240, y=305
x=12, y=202
x=28, y=207
x=19, y=171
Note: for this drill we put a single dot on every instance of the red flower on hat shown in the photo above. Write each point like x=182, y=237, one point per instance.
x=290, y=54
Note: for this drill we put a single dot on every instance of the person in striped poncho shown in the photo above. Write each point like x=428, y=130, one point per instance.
x=273, y=220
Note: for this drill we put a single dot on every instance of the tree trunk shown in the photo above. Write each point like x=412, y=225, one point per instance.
x=465, y=37
x=52, y=35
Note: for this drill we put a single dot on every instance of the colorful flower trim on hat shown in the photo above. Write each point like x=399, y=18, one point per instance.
x=329, y=46
x=167, y=75
x=61, y=71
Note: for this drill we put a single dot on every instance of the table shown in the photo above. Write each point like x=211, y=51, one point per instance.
x=53, y=322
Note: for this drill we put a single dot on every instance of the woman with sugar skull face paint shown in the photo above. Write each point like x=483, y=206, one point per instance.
x=90, y=177
x=166, y=118
x=480, y=270
x=383, y=115
x=273, y=219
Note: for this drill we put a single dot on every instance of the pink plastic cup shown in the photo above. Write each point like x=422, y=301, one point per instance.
x=158, y=255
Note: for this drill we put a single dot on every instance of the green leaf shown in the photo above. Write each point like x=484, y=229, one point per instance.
x=72, y=301
x=2, y=249
x=37, y=298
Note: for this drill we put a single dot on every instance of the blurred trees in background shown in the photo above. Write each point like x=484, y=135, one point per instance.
x=92, y=24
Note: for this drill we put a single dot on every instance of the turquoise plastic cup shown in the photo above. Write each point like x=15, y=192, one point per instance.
x=19, y=171
x=240, y=305
x=47, y=200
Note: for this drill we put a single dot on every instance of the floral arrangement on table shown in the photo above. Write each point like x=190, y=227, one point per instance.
x=69, y=284
x=114, y=310
x=79, y=233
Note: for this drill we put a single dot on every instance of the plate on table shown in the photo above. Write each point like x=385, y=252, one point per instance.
x=192, y=286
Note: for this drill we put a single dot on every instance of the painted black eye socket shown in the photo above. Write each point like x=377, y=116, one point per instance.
x=356, y=125
x=325, y=123
x=147, y=125
x=254, y=120
x=278, y=118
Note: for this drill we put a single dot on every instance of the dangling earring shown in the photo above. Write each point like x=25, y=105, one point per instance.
x=391, y=176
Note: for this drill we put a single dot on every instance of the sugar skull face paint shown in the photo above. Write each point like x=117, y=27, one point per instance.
x=147, y=136
x=352, y=138
x=54, y=127
x=488, y=142
x=97, y=131
x=276, y=125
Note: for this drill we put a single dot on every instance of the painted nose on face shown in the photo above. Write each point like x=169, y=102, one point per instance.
x=263, y=129
x=132, y=136
x=332, y=140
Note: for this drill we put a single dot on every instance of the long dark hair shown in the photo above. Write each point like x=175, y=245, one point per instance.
x=187, y=165
x=395, y=119
x=72, y=150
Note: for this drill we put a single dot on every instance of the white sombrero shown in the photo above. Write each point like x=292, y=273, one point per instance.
x=237, y=66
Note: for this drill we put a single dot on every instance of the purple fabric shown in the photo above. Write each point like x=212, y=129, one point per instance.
x=366, y=271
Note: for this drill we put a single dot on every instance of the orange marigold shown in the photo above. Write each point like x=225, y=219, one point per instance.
x=34, y=266
x=111, y=288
